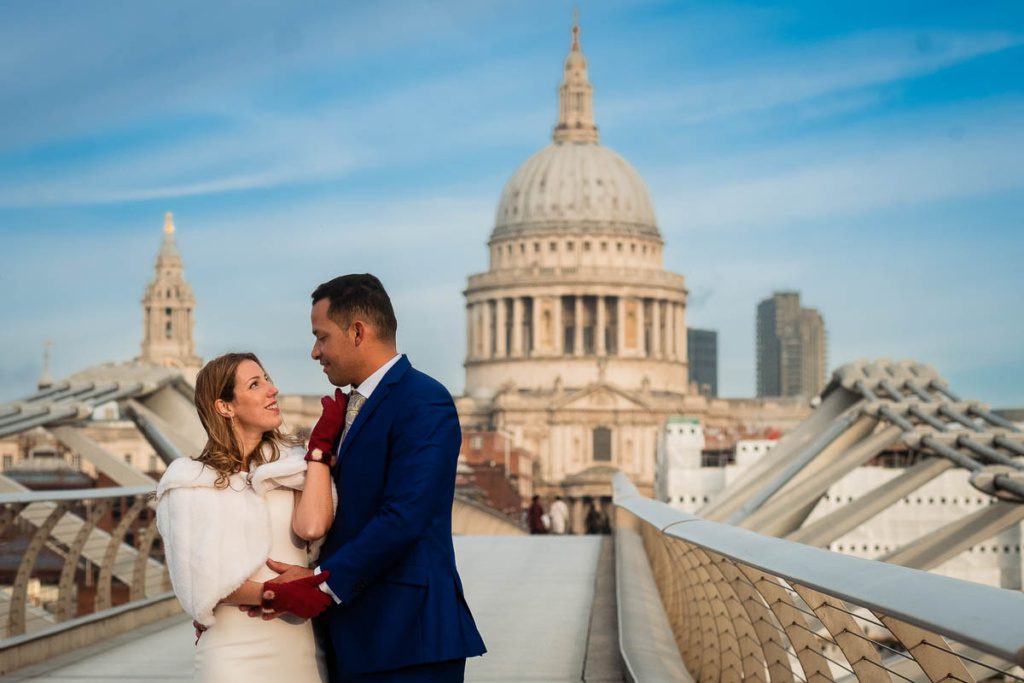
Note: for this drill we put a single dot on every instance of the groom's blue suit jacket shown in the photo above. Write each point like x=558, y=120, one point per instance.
x=390, y=550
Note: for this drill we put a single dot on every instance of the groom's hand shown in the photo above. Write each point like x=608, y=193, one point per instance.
x=286, y=572
x=301, y=597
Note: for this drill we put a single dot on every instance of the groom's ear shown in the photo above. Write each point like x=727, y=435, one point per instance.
x=359, y=332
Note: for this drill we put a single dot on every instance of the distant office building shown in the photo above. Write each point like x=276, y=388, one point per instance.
x=702, y=355
x=790, y=347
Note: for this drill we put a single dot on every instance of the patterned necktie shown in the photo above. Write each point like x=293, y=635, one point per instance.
x=355, y=402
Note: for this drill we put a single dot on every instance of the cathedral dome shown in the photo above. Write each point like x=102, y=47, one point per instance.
x=575, y=184
x=578, y=183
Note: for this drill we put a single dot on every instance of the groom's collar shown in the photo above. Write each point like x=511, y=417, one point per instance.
x=366, y=387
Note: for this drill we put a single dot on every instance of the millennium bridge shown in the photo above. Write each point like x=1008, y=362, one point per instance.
x=746, y=589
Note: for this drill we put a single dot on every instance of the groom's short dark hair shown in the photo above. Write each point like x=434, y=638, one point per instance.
x=359, y=294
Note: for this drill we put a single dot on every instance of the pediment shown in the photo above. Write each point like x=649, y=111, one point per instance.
x=601, y=397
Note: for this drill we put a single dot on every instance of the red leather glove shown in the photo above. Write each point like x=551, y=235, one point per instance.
x=324, y=436
x=301, y=597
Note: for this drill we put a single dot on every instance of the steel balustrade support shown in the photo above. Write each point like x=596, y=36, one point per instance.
x=895, y=418
x=973, y=614
x=8, y=410
x=19, y=411
x=19, y=591
x=952, y=454
x=49, y=392
x=943, y=388
x=999, y=481
x=144, y=422
x=834, y=405
x=916, y=389
x=106, y=462
x=66, y=587
x=951, y=539
x=989, y=454
x=97, y=394
x=891, y=389
x=1008, y=444
x=834, y=525
x=992, y=418
x=954, y=414
x=777, y=515
x=793, y=467
x=73, y=411
x=106, y=577
x=928, y=418
x=147, y=537
x=865, y=391
x=174, y=405
x=73, y=390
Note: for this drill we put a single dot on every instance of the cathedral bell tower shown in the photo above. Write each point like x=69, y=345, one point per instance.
x=168, y=307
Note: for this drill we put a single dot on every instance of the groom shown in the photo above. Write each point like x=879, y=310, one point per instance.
x=399, y=613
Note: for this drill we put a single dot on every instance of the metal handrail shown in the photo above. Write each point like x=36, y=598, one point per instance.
x=987, y=618
x=29, y=497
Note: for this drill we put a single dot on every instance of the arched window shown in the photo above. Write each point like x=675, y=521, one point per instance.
x=602, y=444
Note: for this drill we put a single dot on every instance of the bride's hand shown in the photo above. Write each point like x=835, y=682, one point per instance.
x=288, y=572
x=328, y=428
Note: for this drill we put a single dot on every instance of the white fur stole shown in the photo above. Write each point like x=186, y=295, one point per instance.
x=215, y=539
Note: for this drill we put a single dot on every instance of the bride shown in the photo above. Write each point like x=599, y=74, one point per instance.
x=248, y=497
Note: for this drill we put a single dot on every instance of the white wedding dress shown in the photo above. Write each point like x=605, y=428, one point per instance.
x=243, y=649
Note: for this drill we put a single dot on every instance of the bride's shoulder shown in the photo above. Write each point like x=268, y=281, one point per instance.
x=186, y=473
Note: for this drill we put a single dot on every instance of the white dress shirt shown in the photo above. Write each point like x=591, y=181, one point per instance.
x=366, y=387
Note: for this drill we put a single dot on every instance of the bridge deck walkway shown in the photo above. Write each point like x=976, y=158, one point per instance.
x=533, y=598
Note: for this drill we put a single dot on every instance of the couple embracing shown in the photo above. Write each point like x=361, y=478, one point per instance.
x=331, y=561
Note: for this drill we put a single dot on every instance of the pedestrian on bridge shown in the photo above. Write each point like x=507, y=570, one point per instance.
x=559, y=516
x=536, y=519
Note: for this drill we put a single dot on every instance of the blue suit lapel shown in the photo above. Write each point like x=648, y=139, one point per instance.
x=376, y=398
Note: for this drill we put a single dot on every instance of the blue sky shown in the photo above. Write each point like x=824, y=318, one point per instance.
x=868, y=154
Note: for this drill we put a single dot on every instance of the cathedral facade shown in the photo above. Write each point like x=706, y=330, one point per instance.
x=576, y=334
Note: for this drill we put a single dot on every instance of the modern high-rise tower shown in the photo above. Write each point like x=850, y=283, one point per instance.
x=702, y=354
x=790, y=347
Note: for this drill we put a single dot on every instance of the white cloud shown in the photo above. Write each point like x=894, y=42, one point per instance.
x=801, y=74
x=859, y=176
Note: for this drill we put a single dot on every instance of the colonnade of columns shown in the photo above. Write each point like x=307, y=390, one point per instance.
x=575, y=325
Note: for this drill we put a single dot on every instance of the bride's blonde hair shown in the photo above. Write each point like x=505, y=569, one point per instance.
x=223, y=452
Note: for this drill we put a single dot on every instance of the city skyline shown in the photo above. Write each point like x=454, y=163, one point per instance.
x=863, y=156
